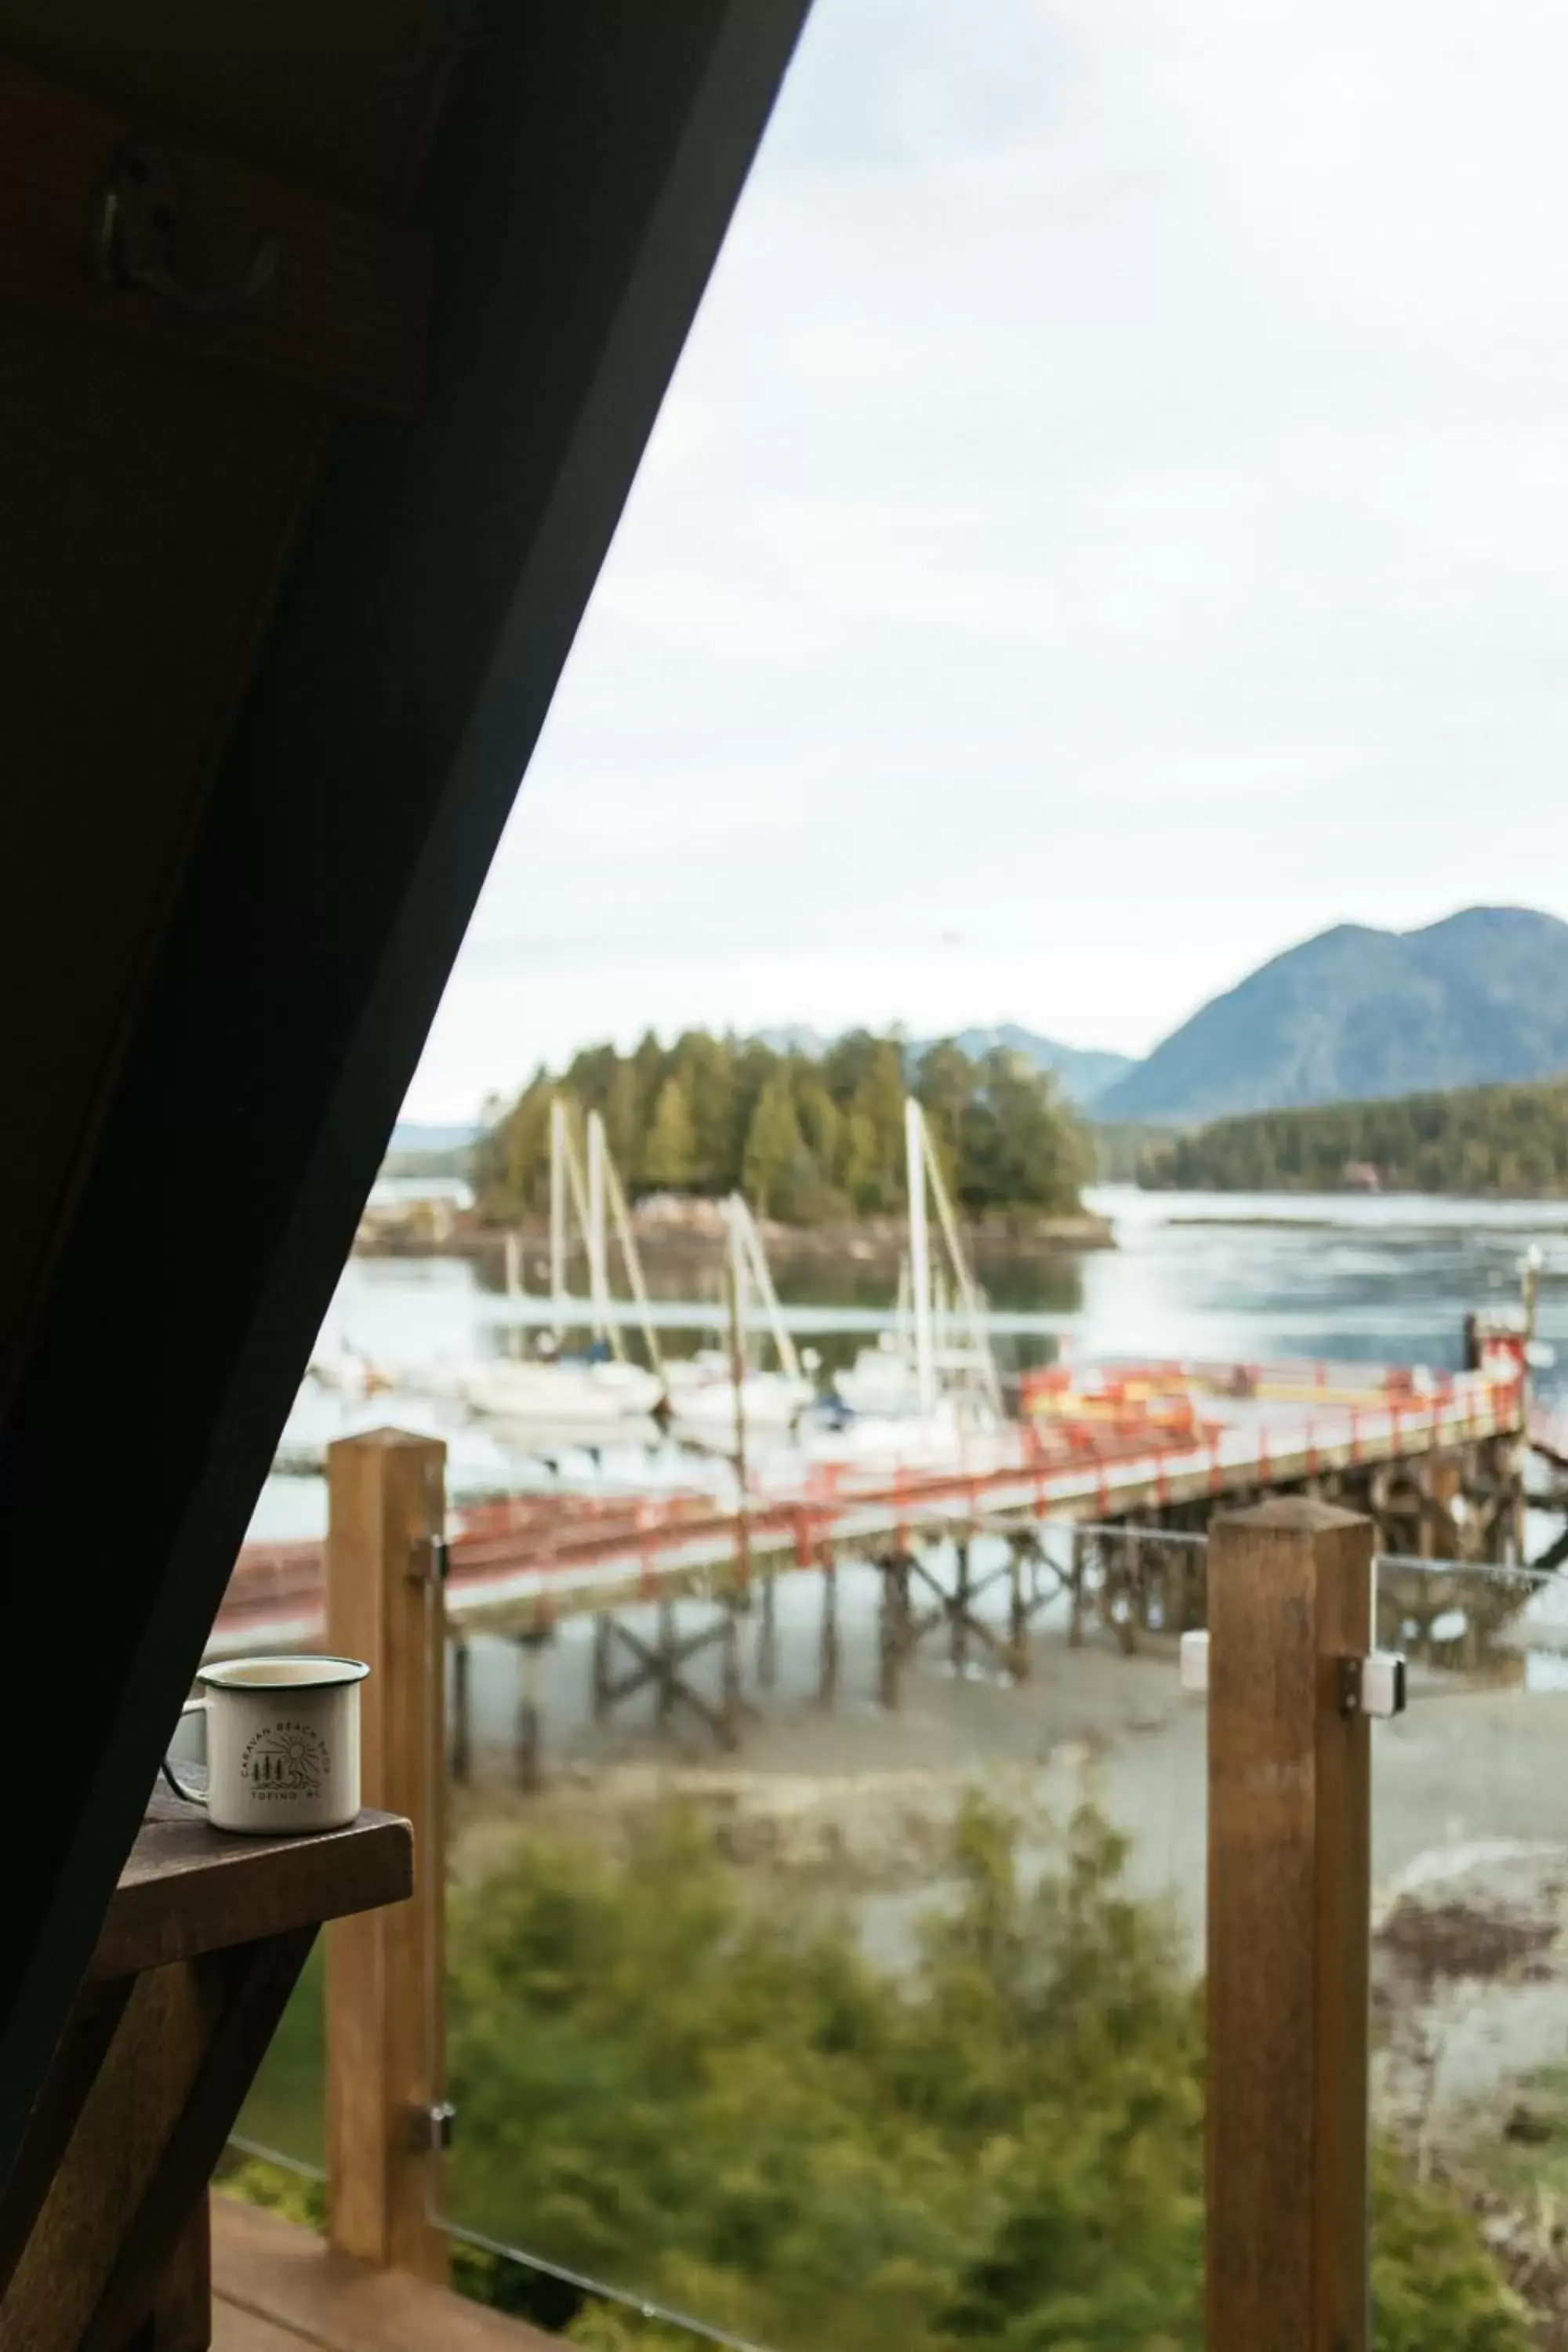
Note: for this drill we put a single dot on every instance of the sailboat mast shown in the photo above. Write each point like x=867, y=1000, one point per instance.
x=598, y=1254
x=631, y=1259
x=754, y=1261
x=558, y=1213
x=982, y=1361
x=920, y=1253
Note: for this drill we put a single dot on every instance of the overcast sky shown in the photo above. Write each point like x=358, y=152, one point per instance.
x=1110, y=521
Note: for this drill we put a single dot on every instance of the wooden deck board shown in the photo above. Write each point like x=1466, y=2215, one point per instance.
x=276, y=2288
x=240, y=2331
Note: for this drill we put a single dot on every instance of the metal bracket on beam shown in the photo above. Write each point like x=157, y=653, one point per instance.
x=1195, y=1663
x=1373, y=1685
x=429, y=1560
x=135, y=233
x=431, y=2127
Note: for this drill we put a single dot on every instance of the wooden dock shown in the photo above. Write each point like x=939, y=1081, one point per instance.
x=519, y=1565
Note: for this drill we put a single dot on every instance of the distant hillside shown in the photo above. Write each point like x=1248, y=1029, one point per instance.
x=420, y=1149
x=416, y=1135
x=796, y=1040
x=1479, y=1140
x=1355, y=1013
x=1083, y=1072
x=1121, y=1152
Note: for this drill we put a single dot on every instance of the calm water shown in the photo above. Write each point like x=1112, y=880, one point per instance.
x=1233, y=1275
x=1258, y=1275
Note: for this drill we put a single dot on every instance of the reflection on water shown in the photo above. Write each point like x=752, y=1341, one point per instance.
x=1386, y=1279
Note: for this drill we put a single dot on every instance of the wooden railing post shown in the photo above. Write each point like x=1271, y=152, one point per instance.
x=1290, y=1597
x=385, y=1520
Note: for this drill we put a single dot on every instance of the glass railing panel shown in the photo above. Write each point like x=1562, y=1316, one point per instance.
x=850, y=2001
x=1469, y=1967
x=284, y=2111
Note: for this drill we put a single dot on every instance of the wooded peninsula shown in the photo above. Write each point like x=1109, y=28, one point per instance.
x=1508, y=1141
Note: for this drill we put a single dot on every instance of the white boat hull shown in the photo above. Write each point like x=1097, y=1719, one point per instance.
x=506, y=1391
x=771, y=1403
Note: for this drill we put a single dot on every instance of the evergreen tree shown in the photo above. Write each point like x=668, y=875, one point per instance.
x=946, y=1086
x=775, y=1149
x=818, y=1139
x=624, y=1118
x=670, y=1156
x=522, y=1148
x=860, y=1161
x=821, y=1121
x=1018, y=1149
x=879, y=1102
x=705, y=1065
x=1479, y=1140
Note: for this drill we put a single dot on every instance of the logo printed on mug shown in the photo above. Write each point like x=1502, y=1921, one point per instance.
x=286, y=1761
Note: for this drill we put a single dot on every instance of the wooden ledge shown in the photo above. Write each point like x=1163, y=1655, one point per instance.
x=340, y=311
x=276, y=2288
x=187, y=1888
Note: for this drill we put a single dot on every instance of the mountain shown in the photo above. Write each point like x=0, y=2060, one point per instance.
x=420, y=1148
x=1477, y=1000
x=416, y=1135
x=1085, y=1072
x=809, y=1042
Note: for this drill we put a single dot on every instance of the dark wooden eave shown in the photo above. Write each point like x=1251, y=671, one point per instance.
x=214, y=1000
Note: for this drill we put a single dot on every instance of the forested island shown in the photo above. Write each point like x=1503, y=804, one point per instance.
x=809, y=1138
x=1507, y=1140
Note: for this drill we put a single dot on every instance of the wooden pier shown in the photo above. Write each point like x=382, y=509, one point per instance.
x=1094, y=1514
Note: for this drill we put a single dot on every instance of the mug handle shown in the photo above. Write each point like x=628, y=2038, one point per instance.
x=191, y=1796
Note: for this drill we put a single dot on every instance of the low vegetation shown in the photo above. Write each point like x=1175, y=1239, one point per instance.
x=808, y=1140
x=673, y=2083
x=1482, y=1139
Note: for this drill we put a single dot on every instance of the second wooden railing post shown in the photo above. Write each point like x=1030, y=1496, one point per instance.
x=1290, y=1609
x=386, y=1513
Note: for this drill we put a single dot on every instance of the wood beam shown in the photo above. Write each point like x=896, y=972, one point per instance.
x=1290, y=1597
x=341, y=296
x=151, y=2128
x=592, y=156
x=387, y=1968
x=102, y=2238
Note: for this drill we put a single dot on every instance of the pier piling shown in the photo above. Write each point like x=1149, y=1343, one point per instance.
x=827, y=1676
x=462, y=1715
x=530, y=1720
x=958, y=1616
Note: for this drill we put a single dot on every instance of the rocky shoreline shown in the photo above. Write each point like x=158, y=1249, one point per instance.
x=688, y=1232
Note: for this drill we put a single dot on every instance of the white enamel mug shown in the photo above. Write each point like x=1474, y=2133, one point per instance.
x=282, y=1744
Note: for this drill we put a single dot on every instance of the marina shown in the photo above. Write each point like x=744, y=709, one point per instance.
x=961, y=1475
x=821, y=1638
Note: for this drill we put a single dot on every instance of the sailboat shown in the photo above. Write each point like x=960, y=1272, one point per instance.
x=602, y=1384
x=702, y=1388
x=930, y=1384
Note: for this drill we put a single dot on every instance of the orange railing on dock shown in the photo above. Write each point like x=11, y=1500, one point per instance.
x=1146, y=1446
